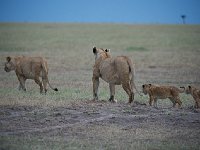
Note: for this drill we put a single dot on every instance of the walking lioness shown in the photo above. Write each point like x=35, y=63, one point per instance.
x=29, y=68
x=115, y=71
x=195, y=94
x=162, y=92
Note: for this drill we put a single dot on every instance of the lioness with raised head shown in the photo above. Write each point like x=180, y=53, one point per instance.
x=195, y=94
x=29, y=68
x=162, y=92
x=115, y=71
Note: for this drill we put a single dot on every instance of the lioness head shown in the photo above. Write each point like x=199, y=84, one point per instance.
x=101, y=53
x=145, y=88
x=9, y=65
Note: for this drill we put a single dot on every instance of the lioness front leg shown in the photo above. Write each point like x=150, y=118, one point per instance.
x=95, y=81
x=21, y=82
x=112, y=93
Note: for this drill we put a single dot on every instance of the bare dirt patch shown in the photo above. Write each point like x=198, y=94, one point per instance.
x=91, y=120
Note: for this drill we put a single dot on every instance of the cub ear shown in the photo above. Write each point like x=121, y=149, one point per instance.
x=189, y=87
x=143, y=86
x=107, y=50
x=149, y=84
x=8, y=58
x=94, y=50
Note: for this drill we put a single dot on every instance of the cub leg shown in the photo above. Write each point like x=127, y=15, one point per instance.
x=151, y=99
x=173, y=101
x=197, y=103
x=178, y=101
x=155, y=103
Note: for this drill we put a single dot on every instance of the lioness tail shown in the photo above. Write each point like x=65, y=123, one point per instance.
x=46, y=75
x=132, y=70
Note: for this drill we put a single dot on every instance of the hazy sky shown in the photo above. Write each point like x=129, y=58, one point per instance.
x=109, y=11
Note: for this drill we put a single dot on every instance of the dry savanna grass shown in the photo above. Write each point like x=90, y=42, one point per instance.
x=163, y=54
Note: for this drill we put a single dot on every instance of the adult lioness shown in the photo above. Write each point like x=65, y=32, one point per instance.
x=195, y=94
x=29, y=68
x=162, y=92
x=115, y=71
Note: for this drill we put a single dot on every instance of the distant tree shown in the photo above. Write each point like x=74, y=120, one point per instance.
x=183, y=18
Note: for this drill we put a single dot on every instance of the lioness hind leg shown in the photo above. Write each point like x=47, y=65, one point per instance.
x=44, y=81
x=127, y=88
x=37, y=80
x=112, y=93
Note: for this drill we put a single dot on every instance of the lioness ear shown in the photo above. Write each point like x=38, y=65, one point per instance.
x=94, y=50
x=149, y=84
x=8, y=58
x=143, y=86
x=107, y=50
x=189, y=87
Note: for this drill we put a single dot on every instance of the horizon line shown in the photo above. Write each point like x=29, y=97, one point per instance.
x=90, y=22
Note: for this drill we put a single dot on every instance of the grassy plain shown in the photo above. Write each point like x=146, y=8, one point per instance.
x=163, y=54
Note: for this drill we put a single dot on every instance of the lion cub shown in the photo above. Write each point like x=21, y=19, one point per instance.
x=195, y=94
x=162, y=92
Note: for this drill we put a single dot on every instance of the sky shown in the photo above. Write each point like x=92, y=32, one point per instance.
x=101, y=11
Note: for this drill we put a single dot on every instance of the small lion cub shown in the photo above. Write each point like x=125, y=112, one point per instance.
x=162, y=92
x=195, y=94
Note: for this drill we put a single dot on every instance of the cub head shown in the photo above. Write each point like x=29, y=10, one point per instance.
x=189, y=90
x=9, y=65
x=145, y=88
x=101, y=53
